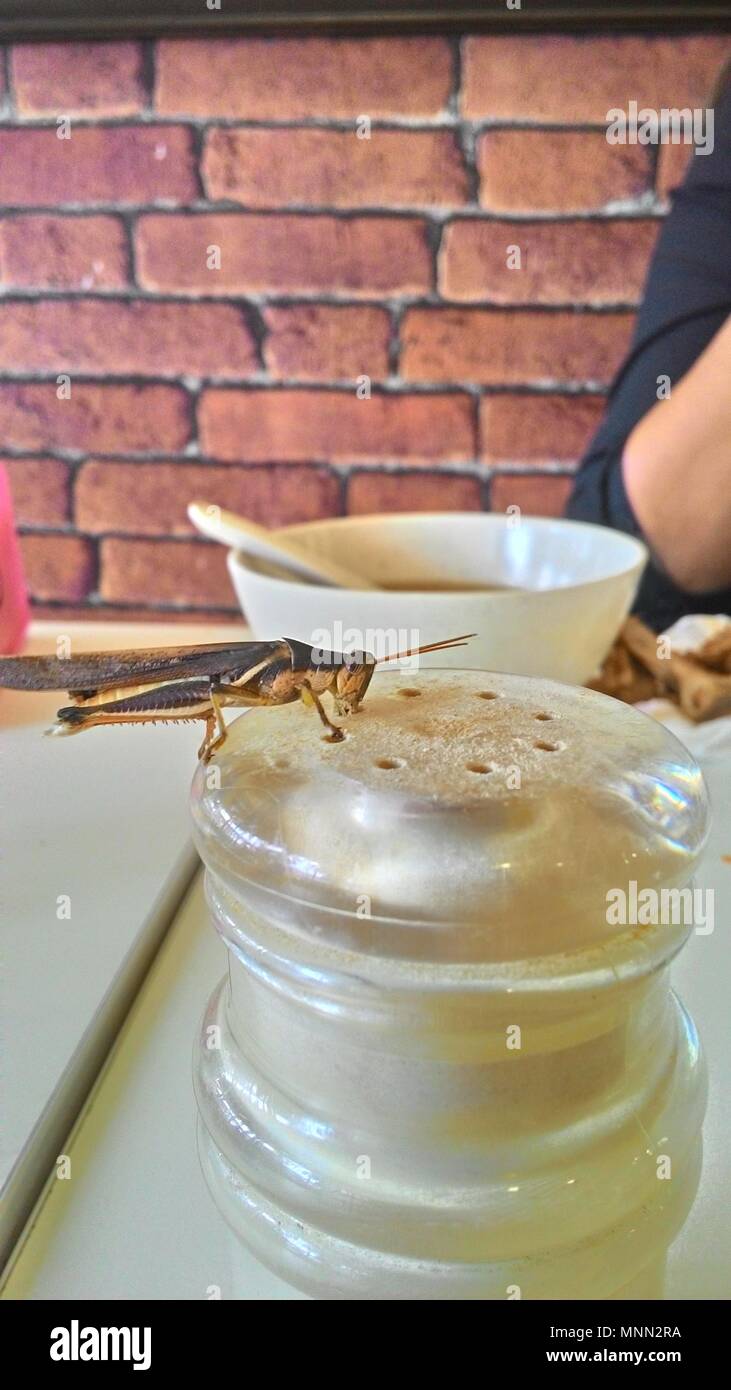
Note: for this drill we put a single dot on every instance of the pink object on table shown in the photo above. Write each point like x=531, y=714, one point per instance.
x=13, y=596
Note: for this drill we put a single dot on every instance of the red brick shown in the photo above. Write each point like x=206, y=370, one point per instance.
x=98, y=164
x=325, y=342
x=519, y=429
x=75, y=253
x=375, y=492
x=103, y=418
x=558, y=78
x=336, y=426
x=292, y=79
x=673, y=162
x=540, y=494
x=284, y=255
x=150, y=499
x=77, y=78
x=602, y=262
x=59, y=567
x=558, y=171
x=334, y=168
x=108, y=336
x=506, y=348
x=190, y=573
x=40, y=490
x=134, y=613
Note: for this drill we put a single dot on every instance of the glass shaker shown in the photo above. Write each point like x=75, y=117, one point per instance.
x=446, y=1061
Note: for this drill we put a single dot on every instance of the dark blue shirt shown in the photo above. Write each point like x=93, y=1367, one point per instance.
x=687, y=299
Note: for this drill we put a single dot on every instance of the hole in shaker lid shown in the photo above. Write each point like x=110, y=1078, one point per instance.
x=542, y=714
x=388, y=763
x=487, y=695
x=408, y=692
x=547, y=747
x=479, y=767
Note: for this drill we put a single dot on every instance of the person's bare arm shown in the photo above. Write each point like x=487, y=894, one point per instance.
x=677, y=472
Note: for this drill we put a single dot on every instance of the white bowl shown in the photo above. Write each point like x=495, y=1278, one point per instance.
x=573, y=586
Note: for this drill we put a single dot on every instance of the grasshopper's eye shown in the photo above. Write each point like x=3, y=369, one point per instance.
x=352, y=665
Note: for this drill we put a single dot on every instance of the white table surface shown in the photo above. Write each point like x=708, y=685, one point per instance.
x=100, y=818
x=135, y=1220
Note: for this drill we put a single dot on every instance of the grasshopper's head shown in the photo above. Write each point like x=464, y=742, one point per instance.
x=352, y=680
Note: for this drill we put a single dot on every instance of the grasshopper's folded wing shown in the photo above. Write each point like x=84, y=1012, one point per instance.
x=94, y=671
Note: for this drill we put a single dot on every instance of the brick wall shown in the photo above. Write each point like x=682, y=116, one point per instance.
x=196, y=280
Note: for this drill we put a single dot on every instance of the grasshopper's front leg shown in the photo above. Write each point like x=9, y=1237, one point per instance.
x=222, y=695
x=308, y=697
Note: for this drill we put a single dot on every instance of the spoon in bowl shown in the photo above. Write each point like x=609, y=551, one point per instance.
x=274, y=547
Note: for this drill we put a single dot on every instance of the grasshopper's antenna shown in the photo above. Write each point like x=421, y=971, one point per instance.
x=430, y=647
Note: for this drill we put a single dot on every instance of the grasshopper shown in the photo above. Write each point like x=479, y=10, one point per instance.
x=185, y=683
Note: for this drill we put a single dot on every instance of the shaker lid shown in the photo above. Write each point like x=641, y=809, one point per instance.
x=467, y=816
